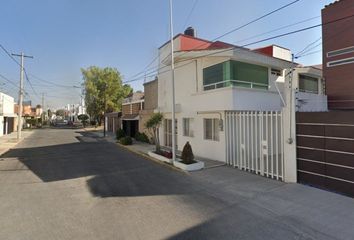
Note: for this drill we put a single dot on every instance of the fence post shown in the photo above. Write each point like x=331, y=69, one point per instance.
x=289, y=131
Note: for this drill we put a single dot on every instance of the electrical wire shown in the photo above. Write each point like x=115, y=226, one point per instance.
x=190, y=14
x=243, y=26
x=252, y=43
x=277, y=29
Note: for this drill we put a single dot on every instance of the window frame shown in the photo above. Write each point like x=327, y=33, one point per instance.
x=215, y=131
x=188, y=133
x=308, y=78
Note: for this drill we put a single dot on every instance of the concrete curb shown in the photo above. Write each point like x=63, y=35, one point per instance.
x=2, y=152
x=152, y=159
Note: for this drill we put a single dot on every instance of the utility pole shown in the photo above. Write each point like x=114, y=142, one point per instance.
x=42, y=116
x=20, y=98
x=173, y=87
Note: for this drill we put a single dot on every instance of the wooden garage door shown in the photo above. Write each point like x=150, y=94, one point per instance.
x=325, y=150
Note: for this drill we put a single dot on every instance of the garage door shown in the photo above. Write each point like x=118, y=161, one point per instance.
x=325, y=150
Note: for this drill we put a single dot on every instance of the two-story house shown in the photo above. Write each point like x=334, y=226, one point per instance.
x=214, y=77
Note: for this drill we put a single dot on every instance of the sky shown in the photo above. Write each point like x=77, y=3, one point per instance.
x=67, y=35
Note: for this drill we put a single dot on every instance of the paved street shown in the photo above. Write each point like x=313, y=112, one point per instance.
x=63, y=184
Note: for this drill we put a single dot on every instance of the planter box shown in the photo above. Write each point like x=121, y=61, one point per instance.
x=189, y=167
x=159, y=157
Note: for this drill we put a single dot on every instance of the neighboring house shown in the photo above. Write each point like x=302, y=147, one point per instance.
x=310, y=96
x=7, y=115
x=338, y=54
x=150, y=105
x=113, y=121
x=215, y=78
x=131, y=107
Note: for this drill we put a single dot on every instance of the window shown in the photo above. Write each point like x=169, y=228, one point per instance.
x=340, y=62
x=211, y=129
x=168, y=132
x=308, y=84
x=340, y=51
x=234, y=73
x=187, y=127
x=276, y=72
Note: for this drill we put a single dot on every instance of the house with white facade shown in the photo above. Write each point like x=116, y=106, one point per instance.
x=7, y=115
x=212, y=78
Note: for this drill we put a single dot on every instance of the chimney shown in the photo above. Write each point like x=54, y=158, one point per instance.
x=190, y=32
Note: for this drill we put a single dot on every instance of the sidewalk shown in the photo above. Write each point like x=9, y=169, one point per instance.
x=10, y=140
x=144, y=148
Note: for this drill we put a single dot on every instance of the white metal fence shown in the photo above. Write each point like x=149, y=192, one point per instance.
x=254, y=142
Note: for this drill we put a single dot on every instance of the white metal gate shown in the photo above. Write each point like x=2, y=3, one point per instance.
x=254, y=142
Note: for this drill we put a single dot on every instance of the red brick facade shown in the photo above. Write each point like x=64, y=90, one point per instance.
x=336, y=36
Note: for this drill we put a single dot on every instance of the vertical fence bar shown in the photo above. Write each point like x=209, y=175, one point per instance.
x=244, y=141
x=282, y=145
x=261, y=155
x=257, y=139
x=227, y=137
x=240, y=141
x=277, y=145
x=234, y=143
x=252, y=143
x=272, y=145
x=267, y=144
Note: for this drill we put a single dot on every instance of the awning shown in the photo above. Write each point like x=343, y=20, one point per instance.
x=130, y=117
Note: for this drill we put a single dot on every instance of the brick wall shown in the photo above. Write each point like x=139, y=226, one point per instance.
x=339, y=79
x=151, y=90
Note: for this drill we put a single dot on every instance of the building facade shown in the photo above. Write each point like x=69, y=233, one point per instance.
x=216, y=79
x=150, y=105
x=131, y=107
x=7, y=115
x=338, y=54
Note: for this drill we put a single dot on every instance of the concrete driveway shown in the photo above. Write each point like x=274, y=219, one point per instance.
x=66, y=184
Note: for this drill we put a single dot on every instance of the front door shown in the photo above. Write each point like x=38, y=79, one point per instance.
x=168, y=132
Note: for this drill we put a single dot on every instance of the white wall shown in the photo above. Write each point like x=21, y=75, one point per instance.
x=7, y=104
x=193, y=102
x=309, y=102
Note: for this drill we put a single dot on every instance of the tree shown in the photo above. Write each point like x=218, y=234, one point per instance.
x=104, y=91
x=187, y=154
x=83, y=118
x=153, y=124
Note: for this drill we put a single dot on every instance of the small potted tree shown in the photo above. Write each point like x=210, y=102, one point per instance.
x=187, y=161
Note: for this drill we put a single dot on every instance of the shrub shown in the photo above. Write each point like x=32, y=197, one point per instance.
x=126, y=140
x=142, y=137
x=120, y=133
x=93, y=123
x=187, y=154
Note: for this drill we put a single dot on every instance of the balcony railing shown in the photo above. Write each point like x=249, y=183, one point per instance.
x=235, y=83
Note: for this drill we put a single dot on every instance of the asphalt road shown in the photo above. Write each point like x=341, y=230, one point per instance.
x=63, y=184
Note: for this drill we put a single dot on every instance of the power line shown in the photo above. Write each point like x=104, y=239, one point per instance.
x=244, y=25
x=54, y=84
x=308, y=54
x=309, y=45
x=252, y=43
x=277, y=29
x=190, y=14
x=9, y=54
